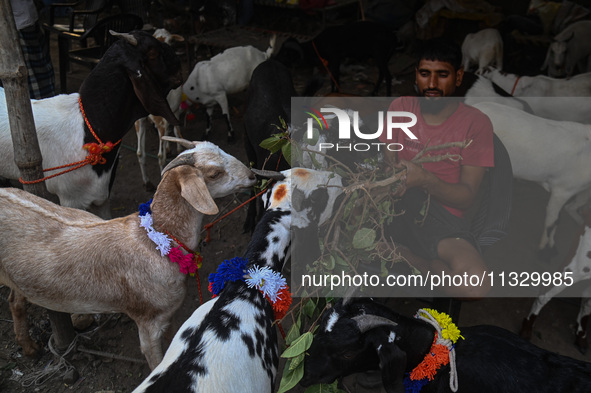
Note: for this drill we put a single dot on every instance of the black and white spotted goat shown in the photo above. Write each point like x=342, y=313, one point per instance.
x=229, y=344
x=358, y=335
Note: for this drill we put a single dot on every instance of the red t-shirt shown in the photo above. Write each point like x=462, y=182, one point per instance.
x=465, y=124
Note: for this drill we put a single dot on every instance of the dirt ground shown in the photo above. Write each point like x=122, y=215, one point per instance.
x=117, y=335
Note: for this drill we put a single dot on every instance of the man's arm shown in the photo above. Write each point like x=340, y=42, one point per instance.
x=460, y=195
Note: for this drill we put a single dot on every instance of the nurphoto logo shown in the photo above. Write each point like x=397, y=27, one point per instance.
x=348, y=120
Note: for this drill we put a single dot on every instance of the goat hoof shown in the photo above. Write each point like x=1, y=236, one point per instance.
x=31, y=349
x=231, y=139
x=581, y=343
x=547, y=253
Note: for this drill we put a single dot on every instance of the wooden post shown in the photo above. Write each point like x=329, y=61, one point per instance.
x=27, y=154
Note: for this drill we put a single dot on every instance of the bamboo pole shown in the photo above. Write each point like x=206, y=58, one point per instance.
x=27, y=154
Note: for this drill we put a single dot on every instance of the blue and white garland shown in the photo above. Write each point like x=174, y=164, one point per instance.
x=270, y=283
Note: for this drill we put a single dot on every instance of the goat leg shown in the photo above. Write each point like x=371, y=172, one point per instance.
x=231, y=138
x=18, y=308
x=582, y=323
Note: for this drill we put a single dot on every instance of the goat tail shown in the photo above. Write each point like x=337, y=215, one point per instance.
x=271, y=48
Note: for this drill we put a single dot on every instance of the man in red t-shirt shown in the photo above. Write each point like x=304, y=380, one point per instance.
x=441, y=241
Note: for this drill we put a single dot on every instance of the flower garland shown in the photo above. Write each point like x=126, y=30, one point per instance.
x=188, y=263
x=442, y=352
x=270, y=283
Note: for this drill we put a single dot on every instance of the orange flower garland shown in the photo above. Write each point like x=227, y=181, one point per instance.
x=438, y=356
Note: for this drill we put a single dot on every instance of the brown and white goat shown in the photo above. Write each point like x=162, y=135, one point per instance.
x=73, y=261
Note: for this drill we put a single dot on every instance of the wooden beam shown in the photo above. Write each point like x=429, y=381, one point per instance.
x=27, y=154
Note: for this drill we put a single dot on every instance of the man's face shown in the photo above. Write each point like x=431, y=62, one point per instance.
x=437, y=78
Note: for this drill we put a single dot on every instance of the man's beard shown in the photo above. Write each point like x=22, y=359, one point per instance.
x=433, y=105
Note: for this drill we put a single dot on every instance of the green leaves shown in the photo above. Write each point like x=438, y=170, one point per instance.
x=291, y=378
x=364, y=239
x=294, y=368
x=274, y=143
x=299, y=346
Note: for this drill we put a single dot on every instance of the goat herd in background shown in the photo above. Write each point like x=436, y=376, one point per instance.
x=548, y=141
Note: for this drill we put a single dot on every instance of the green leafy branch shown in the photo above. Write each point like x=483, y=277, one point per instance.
x=352, y=237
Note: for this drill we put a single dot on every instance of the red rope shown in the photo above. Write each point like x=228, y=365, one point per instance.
x=95, y=154
x=325, y=64
x=187, y=249
x=281, y=330
x=515, y=85
x=208, y=227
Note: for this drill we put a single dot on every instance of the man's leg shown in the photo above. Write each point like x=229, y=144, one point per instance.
x=456, y=257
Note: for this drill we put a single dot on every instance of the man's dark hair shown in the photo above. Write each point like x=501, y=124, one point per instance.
x=439, y=49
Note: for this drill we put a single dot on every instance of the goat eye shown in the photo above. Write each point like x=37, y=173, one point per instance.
x=216, y=175
x=192, y=88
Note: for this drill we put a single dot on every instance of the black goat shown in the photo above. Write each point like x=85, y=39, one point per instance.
x=360, y=335
x=360, y=40
x=268, y=100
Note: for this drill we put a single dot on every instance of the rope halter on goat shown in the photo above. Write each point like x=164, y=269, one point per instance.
x=95, y=154
x=442, y=352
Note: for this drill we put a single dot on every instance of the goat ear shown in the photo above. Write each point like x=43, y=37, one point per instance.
x=194, y=190
x=177, y=38
x=183, y=142
x=149, y=95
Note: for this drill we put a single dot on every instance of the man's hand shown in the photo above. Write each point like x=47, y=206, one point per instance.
x=415, y=176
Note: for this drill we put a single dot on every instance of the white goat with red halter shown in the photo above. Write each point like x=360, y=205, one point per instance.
x=132, y=80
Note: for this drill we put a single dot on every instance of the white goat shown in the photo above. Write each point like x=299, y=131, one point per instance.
x=226, y=73
x=579, y=268
x=554, y=154
x=570, y=49
x=72, y=261
x=229, y=344
x=163, y=127
x=539, y=92
x=132, y=80
x=484, y=48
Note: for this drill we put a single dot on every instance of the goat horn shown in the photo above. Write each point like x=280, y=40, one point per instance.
x=126, y=36
x=183, y=159
x=269, y=174
x=187, y=144
x=368, y=322
x=349, y=295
